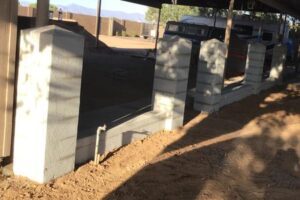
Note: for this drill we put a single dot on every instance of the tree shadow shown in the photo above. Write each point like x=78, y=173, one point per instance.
x=248, y=150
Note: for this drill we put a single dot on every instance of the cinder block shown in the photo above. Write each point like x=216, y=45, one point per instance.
x=212, y=50
x=167, y=102
x=257, y=48
x=236, y=94
x=259, y=56
x=167, y=59
x=253, y=78
x=170, y=86
x=212, y=68
x=209, y=79
x=175, y=45
x=206, y=108
x=171, y=72
x=278, y=62
x=209, y=100
x=208, y=89
x=48, y=103
x=255, y=71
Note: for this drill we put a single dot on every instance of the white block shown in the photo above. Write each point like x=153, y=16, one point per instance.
x=167, y=59
x=278, y=62
x=255, y=64
x=175, y=45
x=47, y=103
x=171, y=73
x=170, y=86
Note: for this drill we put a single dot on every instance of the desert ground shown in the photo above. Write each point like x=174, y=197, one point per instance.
x=247, y=150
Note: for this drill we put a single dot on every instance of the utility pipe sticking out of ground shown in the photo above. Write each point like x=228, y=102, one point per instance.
x=101, y=129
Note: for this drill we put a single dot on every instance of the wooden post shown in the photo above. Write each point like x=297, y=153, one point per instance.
x=98, y=23
x=229, y=24
x=279, y=27
x=283, y=28
x=8, y=37
x=157, y=28
x=228, y=33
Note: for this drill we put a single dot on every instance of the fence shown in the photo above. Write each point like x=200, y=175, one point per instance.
x=109, y=26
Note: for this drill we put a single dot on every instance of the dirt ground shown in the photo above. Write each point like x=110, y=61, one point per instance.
x=248, y=150
x=127, y=42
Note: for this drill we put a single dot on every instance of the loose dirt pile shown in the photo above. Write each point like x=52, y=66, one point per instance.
x=249, y=150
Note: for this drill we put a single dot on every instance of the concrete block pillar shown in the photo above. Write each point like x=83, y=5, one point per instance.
x=278, y=62
x=47, y=103
x=211, y=67
x=255, y=65
x=171, y=78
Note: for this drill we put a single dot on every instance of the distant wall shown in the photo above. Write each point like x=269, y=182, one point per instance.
x=109, y=26
x=26, y=11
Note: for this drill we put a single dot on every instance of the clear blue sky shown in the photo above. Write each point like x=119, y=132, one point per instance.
x=106, y=5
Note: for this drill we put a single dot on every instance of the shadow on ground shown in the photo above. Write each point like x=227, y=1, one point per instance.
x=248, y=150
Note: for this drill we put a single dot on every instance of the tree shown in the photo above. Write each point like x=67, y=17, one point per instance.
x=52, y=7
x=175, y=12
x=171, y=13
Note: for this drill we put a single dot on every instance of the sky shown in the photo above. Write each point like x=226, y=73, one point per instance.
x=116, y=5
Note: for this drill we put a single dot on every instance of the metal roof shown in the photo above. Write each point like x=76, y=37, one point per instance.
x=291, y=7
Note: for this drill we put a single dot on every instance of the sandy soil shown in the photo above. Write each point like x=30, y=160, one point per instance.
x=248, y=150
x=127, y=42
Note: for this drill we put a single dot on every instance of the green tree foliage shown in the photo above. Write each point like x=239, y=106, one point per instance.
x=171, y=13
x=52, y=7
x=175, y=12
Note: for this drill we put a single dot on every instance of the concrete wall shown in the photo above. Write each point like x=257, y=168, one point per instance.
x=48, y=99
x=109, y=26
x=26, y=11
x=211, y=96
x=8, y=37
x=170, y=90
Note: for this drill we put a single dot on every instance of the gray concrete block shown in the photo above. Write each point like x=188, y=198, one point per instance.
x=253, y=78
x=216, y=67
x=257, y=48
x=167, y=101
x=170, y=86
x=168, y=59
x=208, y=89
x=254, y=64
x=175, y=44
x=209, y=100
x=278, y=62
x=254, y=71
x=206, y=108
x=236, y=94
x=259, y=56
x=209, y=79
x=171, y=72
